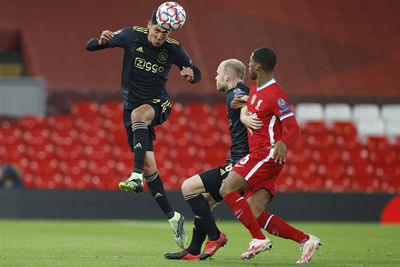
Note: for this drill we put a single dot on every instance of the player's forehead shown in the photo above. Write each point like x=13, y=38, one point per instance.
x=159, y=28
x=252, y=57
x=220, y=68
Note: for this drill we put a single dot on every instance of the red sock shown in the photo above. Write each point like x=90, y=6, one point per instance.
x=243, y=212
x=277, y=226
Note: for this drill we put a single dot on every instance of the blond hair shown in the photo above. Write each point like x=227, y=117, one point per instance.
x=234, y=67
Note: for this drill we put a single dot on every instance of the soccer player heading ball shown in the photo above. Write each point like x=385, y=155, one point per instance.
x=149, y=55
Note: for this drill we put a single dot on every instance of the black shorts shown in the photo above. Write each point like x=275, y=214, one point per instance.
x=162, y=110
x=212, y=179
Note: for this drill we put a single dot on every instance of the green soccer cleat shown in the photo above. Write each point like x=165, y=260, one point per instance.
x=177, y=226
x=134, y=183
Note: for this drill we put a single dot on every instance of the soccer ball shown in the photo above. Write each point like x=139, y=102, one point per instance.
x=171, y=16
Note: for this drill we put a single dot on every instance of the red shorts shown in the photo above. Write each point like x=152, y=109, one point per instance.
x=259, y=173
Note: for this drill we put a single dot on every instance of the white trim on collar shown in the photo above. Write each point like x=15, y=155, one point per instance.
x=266, y=84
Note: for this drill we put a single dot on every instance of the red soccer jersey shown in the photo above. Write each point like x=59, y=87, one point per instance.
x=269, y=103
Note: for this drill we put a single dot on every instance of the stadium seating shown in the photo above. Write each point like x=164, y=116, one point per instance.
x=309, y=111
x=87, y=148
x=337, y=112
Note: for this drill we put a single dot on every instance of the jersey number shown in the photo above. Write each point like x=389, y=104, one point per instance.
x=244, y=160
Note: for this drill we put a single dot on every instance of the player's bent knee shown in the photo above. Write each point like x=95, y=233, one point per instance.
x=187, y=187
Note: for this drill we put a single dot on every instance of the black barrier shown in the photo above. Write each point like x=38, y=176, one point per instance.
x=60, y=204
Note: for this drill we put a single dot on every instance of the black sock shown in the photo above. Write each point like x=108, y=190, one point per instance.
x=202, y=211
x=140, y=143
x=198, y=237
x=156, y=188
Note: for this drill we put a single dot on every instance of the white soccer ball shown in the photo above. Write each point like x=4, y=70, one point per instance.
x=171, y=16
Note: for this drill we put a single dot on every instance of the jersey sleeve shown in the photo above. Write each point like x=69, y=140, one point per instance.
x=120, y=37
x=280, y=106
x=183, y=59
x=241, y=91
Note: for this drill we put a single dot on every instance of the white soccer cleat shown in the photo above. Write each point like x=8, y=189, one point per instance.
x=176, y=223
x=256, y=246
x=308, y=248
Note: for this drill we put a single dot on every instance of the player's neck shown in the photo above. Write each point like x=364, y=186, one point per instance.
x=233, y=83
x=263, y=78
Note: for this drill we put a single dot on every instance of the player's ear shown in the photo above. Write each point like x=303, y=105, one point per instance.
x=227, y=76
x=149, y=24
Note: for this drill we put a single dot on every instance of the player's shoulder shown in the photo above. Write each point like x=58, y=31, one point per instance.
x=276, y=90
x=172, y=41
x=140, y=30
x=126, y=33
x=239, y=89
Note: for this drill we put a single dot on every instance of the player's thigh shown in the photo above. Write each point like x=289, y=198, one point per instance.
x=192, y=185
x=258, y=200
x=234, y=182
x=213, y=178
x=144, y=113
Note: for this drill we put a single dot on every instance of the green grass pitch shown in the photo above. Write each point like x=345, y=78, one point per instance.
x=142, y=243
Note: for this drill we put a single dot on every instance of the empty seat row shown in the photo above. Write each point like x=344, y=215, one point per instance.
x=343, y=112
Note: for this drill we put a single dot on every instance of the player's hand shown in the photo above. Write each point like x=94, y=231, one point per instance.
x=187, y=72
x=280, y=152
x=105, y=37
x=239, y=101
x=251, y=122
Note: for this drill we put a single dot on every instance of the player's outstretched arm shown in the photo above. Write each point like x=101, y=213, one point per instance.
x=292, y=134
x=95, y=44
x=192, y=75
x=239, y=101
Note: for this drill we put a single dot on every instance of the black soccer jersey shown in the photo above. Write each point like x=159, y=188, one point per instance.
x=240, y=146
x=145, y=67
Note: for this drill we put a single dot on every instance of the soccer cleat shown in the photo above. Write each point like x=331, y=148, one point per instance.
x=257, y=246
x=177, y=226
x=308, y=248
x=134, y=183
x=181, y=255
x=212, y=246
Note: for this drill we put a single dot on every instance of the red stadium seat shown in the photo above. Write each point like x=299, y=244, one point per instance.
x=60, y=122
x=28, y=122
x=348, y=142
x=377, y=143
x=362, y=177
x=68, y=152
x=322, y=156
x=40, y=151
x=200, y=117
x=64, y=137
x=79, y=181
x=36, y=136
x=320, y=141
x=298, y=155
x=219, y=111
x=85, y=109
x=10, y=135
x=356, y=156
x=314, y=128
x=333, y=177
x=344, y=128
x=389, y=177
x=111, y=110
x=304, y=175
x=383, y=157
x=73, y=167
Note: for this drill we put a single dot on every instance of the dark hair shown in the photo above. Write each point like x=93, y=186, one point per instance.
x=153, y=17
x=266, y=57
